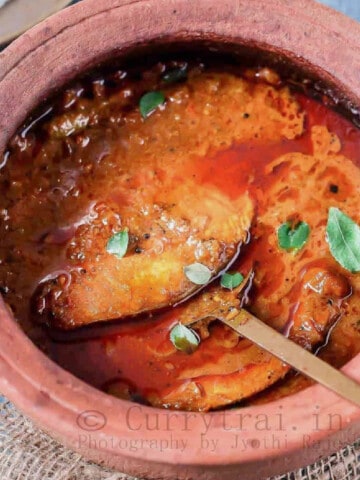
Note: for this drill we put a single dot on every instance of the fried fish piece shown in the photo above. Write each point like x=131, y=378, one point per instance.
x=169, y=228
x=226, y=369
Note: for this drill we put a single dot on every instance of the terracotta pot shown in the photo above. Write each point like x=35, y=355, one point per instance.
x=271, y=439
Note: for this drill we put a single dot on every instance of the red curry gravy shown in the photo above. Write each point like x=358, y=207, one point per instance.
x=241, y=134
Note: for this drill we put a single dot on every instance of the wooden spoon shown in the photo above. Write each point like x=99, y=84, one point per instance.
x=250, y=327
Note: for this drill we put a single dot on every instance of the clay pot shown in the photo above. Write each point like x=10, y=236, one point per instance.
x=253, y=442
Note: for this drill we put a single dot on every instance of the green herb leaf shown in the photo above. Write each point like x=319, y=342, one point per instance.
x=293, y=237
x=343, y=236
x=198, y=273
x=184, y=338
x=149, y=103
x=231, y=280
x=175, y=75
x=118, y=244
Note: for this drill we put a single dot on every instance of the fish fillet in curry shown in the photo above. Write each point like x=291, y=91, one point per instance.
x=172, y=228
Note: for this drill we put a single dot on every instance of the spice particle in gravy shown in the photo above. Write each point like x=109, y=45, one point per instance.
x=152, y=198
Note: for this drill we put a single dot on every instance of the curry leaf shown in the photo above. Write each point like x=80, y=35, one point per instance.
x=184, y=338
x=293, y=237
x=175, y=75
x=231, y=280
x=198, y=273
x=149, y=103
x=343, y=236
x=118, y=244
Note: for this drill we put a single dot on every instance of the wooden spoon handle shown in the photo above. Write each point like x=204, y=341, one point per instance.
x=250, y=327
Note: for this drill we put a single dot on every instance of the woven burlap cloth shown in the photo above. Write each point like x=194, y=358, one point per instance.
x=26, y=453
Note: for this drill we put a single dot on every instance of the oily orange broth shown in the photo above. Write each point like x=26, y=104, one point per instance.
x=134, y=358
x=119, y=357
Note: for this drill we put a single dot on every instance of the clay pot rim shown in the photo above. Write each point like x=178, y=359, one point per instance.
x=53, y=397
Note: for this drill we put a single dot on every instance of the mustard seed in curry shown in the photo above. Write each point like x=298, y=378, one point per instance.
x=136, y=201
